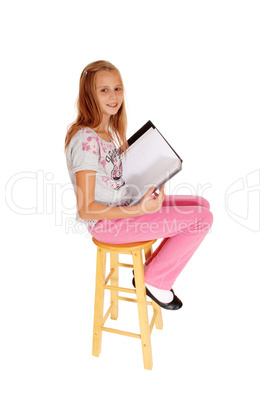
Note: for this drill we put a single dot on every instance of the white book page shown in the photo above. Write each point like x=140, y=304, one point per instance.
x=149, y=161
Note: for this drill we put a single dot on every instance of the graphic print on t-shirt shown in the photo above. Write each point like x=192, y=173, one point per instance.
x=116, y=172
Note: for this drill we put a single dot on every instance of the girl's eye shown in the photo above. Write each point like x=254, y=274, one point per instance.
x=104, y=90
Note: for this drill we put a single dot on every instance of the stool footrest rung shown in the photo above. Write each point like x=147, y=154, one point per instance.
x=109, y=275
x=119, y=289
x=107, y=314
x=121, y=264
x=118, y=331
x=131, y=300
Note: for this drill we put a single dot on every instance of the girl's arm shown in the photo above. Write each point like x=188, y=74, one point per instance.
x=88, y=208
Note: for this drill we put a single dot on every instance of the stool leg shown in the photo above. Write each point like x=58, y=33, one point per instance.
x=142, y=310
x=159, y=321
x=114, y=281
x=147, y=252
x=99, y=302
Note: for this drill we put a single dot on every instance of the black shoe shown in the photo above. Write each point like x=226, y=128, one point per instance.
x=175, y=304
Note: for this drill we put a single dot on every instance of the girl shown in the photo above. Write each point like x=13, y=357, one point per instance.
x=93, y=144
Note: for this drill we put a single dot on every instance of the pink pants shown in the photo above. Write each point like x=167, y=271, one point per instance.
x=182, y=222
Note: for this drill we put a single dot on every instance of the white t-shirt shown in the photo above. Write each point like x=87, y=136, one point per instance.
x=87, y=151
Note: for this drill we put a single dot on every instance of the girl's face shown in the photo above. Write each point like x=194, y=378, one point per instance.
x=109, y=92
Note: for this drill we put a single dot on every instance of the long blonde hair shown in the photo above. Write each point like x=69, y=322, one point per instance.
x=88, y=109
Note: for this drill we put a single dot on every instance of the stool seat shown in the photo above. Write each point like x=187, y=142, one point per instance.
x=135, y=250
x=122, y=247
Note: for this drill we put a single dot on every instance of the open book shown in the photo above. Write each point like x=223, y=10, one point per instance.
x=148, y=161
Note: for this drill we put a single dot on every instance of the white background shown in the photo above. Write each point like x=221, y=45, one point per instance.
x=196, y=69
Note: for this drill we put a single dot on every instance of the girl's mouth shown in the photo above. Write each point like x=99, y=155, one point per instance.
x=113, y=105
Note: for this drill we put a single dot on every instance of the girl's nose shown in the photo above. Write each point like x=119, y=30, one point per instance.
x=112, y=95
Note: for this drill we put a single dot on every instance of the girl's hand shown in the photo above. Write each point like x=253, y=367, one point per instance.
x=152, y=202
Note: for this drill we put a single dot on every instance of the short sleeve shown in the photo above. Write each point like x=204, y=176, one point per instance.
x=85, y=153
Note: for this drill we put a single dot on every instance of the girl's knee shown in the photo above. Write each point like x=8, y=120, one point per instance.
x=210, y=217
x=207, y=217
x=203, y=202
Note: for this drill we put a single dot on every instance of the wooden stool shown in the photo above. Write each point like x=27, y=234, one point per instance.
x=134, y=249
